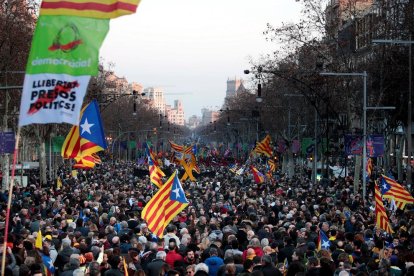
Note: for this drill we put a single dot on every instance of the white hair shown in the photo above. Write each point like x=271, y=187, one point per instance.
x=264, y=242
x=161, y=255
x=201, y=267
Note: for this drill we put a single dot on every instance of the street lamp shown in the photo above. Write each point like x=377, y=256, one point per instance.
x=409, y=111
x=365, y=108
x=259, y=98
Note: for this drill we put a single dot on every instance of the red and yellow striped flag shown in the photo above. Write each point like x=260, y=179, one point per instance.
x=164, y=205
x=264, y=147
x=391, y=189
x=104, y=9
x=381, y=217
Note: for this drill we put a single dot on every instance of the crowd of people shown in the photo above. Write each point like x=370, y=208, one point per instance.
x=92, y=226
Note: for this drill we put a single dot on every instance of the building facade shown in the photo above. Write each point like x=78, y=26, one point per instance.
x=209, y=116
x=175, y=114
x=156, y=97
x=233, y=86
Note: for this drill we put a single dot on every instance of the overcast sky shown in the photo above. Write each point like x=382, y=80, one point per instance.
x=191, y=47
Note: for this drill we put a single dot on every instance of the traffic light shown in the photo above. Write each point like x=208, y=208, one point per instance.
x=155, y=131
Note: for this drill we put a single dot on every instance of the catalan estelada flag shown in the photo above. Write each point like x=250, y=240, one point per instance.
x=164, y=205
x=104, y=9
x=85, y=140
x=391, y=189
x=155, y=173
x=323, y=241
x=264, y=147
x=381, y=217
x=176, y=147
x=258, y=176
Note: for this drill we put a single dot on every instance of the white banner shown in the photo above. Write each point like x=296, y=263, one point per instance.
x=52, y=98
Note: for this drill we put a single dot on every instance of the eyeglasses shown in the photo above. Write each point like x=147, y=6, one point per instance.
x=189, y=272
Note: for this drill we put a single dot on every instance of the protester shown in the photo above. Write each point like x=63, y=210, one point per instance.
x=231, y=227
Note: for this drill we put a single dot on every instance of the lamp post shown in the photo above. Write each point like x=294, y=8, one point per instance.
x=409, y=111
x=364, y=75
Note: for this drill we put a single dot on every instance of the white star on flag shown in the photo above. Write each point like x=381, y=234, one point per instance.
x=325, y=244
x=177, y=192
x=86, y=126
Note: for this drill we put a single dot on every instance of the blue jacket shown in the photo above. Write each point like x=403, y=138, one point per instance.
x=213, y=264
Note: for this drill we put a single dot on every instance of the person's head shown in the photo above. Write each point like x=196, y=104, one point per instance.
x=161, y=255
x=171, y=228
x=266, y=260
x=250, y=234
x=190, y=270
x=172, y=244
x=94, y=269
x=201, y=267
x=325, y=227
x=190, y=255
x=313, y=262
x=213, y=251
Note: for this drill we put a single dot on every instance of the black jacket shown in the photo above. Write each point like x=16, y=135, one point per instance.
x=154, y=267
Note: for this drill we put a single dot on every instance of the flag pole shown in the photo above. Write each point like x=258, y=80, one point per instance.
x=6, y=230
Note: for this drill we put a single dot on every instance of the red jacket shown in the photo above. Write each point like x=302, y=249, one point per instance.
x=172, y=257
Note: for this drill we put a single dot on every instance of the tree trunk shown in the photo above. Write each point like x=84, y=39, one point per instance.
x=42, y=163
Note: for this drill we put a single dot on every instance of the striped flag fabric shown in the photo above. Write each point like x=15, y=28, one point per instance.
x=103, y=9
x=391, y=189
x=87, y=162
x=381, y=217
x=165, y=205
x=257, y=175
x=85, y=140
x=264, y=147
x=271, y=168
x=155, y=172
x=176, y=147
x=125, y=266
x=370, y=167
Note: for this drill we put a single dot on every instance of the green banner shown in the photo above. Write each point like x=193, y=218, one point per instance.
x=57, y=143
x=132, y=144
x=67, y=45
x=308, y=145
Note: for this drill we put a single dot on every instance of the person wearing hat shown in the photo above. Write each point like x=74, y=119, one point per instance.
x=48, y=241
